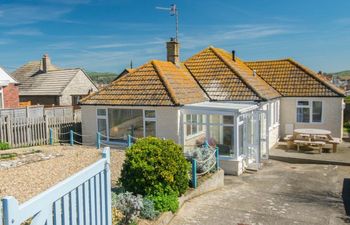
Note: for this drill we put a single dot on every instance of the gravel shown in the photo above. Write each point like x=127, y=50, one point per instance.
x=27, y=180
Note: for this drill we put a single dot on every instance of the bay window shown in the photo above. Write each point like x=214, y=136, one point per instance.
x=309, y=111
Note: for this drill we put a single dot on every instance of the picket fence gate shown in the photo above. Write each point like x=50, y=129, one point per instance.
x=21, y=132
x=84, y=198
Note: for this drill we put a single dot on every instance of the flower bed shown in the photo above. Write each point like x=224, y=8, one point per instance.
x=154, y=181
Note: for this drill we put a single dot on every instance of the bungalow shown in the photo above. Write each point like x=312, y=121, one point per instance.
x=243, y=108
x=44, y=83
x=8, y=91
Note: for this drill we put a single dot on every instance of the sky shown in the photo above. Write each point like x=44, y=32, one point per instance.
x=106, y=35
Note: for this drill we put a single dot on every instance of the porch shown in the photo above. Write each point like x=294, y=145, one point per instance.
x=238, y=130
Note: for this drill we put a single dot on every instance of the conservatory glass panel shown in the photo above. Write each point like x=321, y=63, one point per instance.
x=222, y=137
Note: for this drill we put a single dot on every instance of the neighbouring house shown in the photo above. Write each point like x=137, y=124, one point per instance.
x=243, y=108
x=43, y=83
x=9, y=97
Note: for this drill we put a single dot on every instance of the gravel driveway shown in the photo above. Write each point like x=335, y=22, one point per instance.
x=279, y=194
x=26, y=181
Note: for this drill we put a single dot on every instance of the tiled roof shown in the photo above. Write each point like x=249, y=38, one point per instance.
x=291, y=79
x=156, y=83
x=224, y=79
x=50, y=83
x=27, y=70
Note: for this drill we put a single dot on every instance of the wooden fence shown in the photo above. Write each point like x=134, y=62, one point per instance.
x=84, y=198
x=37, y=111
x=22, y=132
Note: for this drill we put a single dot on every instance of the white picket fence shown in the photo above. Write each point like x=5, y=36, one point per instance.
x=84, y=198
x=21, y=132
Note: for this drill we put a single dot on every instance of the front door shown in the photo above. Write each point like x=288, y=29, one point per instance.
x=263, y=136
x=251, y=138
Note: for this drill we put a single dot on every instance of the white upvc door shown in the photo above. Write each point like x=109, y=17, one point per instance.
x=263, y=139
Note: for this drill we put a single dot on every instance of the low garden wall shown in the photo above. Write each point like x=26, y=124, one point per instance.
x=206, y=184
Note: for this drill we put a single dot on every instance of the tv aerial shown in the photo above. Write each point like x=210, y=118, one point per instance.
x=173, y=12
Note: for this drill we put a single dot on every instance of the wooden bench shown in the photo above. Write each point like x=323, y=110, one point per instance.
x=335, y=142
x=318, y=144
x=289, y=139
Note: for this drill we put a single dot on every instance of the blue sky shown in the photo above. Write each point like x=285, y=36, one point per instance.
x=106, y=35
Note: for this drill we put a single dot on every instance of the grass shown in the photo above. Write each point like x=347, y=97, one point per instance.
x=8, y=156
x=346, y=127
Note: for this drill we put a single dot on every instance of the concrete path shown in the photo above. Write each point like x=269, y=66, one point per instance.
x=279, y=194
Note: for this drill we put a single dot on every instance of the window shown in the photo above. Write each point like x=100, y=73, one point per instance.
x=150, y=123
x=102, y=123
x=194, y=124
x=101, y=112
x=123, y=122
x=76, y=99
x=309, y=111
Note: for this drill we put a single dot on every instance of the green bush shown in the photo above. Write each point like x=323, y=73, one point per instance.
x=129, y=204
x=148, y=211
x=4, y=146
x=165, y=202
x=155, y=167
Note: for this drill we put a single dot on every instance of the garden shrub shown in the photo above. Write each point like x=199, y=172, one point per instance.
x=148, y=211
x=4, y=146
x=165, y=202
x=130, y=206
x=153, y=167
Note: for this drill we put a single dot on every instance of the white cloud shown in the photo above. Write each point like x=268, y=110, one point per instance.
x=15, y=14
x=225, y=34
x=24, y=32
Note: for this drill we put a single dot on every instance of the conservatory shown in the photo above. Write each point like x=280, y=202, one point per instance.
x=238, y=130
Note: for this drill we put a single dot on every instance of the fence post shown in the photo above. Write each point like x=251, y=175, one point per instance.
x=107, y=179
x=129, y=140
x=46, y=128
x=206, y=145
x=98, y=140
x=71, y=137
x=10, y=210
x=217, y=158
x=51, y=136
x=9, y=130
x=194, y=173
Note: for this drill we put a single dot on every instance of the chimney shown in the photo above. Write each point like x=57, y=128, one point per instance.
x=45, y=64
x=173, y=51
x=233, y=55
x=254, y=73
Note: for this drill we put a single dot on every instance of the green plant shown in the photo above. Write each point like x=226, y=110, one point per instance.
x=4, y=146
x=148, y=211
x=129, y=205
x=8, y=156
x=154, y=166
x=165, y=202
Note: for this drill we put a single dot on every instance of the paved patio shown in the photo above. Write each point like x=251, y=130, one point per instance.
x=282, y=153
x=280, y=193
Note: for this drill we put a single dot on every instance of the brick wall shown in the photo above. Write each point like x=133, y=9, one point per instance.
x=11, y=99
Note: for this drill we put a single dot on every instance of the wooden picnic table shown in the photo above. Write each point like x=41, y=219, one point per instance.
x=313, y=137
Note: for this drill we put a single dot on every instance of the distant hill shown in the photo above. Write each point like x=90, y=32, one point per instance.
x=342, y=74
x=102, y=77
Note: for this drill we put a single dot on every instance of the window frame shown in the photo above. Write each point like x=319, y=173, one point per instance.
x=310, y=107
x=149, y=119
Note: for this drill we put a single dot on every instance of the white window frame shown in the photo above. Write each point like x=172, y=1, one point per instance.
x=149, y=119
x=103, y=117
x=310, y=106
x=199, y=131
